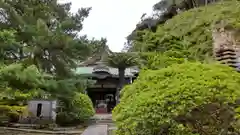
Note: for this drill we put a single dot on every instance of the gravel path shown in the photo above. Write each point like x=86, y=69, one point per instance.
x=96, y=130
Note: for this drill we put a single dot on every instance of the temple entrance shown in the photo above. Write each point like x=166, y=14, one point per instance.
x=103, y=99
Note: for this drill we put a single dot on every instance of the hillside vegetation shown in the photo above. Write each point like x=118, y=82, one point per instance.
x=190, y=31
x=178, y=92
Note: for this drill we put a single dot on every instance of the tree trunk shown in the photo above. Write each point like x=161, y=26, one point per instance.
x=121, y=74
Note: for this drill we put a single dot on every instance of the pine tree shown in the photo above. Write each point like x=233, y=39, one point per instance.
x=47, y=33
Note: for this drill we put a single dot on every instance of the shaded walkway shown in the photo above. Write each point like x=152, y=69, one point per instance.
x=96, y=130
x=102, y=117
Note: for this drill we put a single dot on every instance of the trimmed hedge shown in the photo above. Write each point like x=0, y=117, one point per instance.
x=81, y=110
x=168, y=100
x=12, y=113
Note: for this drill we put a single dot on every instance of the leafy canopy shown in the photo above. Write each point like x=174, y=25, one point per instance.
x=39, y=47
x=122, y=60
x=46, y=35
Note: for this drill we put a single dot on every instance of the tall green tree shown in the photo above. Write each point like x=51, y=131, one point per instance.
x=8, y=45
x=47, y=33
x=121, y=61
x=95, y=46
x=39, y=47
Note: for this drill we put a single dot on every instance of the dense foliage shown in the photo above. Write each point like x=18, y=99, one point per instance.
x=82, y=106
x=179, y=100
x=46, y=34
x=163, y=11
x=122, y=60
x=184, y=98
x=20, y=84
x=80, y=110
x=188, y=32
x=154, y=60
x=39, y=48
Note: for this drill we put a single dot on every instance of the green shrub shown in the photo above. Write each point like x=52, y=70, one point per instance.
x=3, y=120
x=154, y=60
x=3, y=114
x=63, y=119
x=80, y=110
x=12, y=113
x=82, y=107
x=173, y=99
x=13, y=116
x=67, y=119
x=5, y=108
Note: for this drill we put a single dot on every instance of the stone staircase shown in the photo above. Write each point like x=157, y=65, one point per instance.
x=105, y=120
x=99, y=122
x=101, y=119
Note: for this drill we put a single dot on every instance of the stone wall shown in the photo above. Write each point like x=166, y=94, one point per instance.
x=225, y=37
x=226, y=44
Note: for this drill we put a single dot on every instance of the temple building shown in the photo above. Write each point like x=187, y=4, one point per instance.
x=103, y=92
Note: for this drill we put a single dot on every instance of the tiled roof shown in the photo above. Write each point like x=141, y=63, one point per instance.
x=113, y=71
x=97, y=58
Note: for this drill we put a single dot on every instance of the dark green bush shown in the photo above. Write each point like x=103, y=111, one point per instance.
x=12, y=113
x=172, y=99
x=66, y=119
x=13, y=116
x=4, y=108
x=63, y=119
x=81, y=110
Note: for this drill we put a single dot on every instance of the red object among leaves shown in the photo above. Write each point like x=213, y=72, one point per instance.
x=101, y=110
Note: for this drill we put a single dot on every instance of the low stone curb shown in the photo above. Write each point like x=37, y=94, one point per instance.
x=40, y=131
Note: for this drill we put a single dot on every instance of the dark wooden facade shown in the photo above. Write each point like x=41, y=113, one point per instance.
x=104, y=92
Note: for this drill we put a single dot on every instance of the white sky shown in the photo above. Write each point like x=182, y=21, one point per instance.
x=112, y=19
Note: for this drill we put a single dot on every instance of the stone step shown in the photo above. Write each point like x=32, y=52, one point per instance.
x=104, y=122
x=101, y=118
x=96, y=130
x=109, y=124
